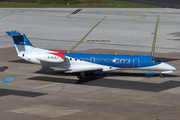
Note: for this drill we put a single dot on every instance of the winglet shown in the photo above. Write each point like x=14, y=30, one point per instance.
x=13, y=33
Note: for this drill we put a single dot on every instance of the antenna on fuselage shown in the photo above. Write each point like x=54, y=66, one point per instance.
x=86, y=35
x=155, y=34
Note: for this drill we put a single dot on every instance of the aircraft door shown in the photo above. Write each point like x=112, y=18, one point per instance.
x=117, y=61
x=136, y=63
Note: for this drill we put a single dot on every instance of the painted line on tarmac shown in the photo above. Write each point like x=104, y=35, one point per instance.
x=173, y=39
x=76, y=11
x=6, y=15
x=98, y=12
x=119, y=12
x=9, y=79
x=16, y=75
x=143, y=16
x=158, y=13
x=2, y=69
x=107, y=43
x=98, y=40
x=153, y=12
x=46, y=86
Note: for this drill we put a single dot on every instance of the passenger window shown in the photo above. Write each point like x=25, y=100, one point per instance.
x=70, y=58
x=108, y=60
x=75, y=59
x=122, y=61
x=102, y=60
x=86, y=59
x=80, y=59
x=127, y=61
x=92, y=60
x=97, y=60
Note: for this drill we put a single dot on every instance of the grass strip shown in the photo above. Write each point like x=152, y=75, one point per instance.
x=87, y=4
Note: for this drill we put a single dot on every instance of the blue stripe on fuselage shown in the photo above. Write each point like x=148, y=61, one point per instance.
x=123, y=61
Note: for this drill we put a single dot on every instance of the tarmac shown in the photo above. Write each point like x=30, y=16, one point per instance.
x=29, y=91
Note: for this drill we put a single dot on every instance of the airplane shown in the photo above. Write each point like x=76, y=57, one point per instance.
x=83, y=63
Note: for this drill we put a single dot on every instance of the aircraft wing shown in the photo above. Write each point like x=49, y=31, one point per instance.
x=85, y=70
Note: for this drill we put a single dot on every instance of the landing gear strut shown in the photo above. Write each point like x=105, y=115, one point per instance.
x=161, y=75
x=81, y=75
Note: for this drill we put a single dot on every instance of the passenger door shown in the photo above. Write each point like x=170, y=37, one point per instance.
x=136, y=63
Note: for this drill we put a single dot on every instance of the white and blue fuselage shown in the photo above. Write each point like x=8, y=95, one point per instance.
x=84, y=62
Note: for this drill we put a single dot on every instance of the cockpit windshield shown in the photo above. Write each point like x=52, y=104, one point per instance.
x=155, y=60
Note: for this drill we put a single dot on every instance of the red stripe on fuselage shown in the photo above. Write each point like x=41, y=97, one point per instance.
x=62, y=51
x=59, y=55
x=128, y=66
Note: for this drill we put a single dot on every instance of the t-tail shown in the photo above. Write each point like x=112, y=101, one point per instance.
x=21, y=43
x=30, y=53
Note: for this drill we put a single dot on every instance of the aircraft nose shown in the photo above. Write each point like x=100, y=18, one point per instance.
x=172, y=68
x=167, y=66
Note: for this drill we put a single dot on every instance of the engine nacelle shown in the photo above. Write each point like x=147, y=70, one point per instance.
x=51, y=57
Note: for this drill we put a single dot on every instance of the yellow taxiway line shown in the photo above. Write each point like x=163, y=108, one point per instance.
x=155, y=34
x=6, y=15
x=86, y=35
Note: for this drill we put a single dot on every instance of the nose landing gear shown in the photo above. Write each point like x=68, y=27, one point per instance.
x=162, y=76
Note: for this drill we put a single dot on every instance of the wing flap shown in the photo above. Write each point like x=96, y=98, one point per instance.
x=85, y=70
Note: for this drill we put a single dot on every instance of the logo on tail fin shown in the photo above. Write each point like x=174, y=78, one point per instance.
x=21, y=43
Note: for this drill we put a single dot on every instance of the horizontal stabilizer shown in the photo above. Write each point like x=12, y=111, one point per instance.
x=85, y=70
x=13, y=33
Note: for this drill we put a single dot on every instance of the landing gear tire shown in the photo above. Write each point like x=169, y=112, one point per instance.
x=161, y=76
x=81, y=75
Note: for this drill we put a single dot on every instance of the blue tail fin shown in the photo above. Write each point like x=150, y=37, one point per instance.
x=21, y=43
x=18, y=38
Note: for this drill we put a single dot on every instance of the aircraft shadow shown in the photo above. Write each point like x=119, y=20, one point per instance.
x=101, y=81
x=49, y=71
x=167, y=59
x=21, y=61
x=5, y=92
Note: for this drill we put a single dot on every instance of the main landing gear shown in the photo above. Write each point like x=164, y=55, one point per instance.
x=81, y=75
x=84, y=75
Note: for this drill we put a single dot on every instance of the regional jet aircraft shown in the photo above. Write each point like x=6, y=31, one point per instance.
x=84, y=63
